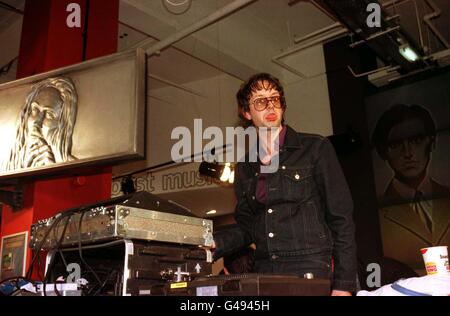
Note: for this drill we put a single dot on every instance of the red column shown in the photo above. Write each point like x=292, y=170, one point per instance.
x=48, y=43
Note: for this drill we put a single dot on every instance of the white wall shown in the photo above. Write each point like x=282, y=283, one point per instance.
x=308, y=99
x=11, y=36
x=170, y=107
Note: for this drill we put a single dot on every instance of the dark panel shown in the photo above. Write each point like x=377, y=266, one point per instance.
x=348, y=114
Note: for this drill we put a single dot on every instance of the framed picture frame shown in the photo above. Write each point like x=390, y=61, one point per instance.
x=13, y=255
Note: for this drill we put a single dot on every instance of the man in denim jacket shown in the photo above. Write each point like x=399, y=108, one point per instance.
x=299, y=217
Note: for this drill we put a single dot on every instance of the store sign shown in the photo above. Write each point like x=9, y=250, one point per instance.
x=181, y=178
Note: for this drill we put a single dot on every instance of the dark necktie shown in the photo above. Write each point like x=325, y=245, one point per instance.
x=420, y=210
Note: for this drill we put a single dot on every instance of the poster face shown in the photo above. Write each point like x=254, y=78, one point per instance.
x=410, y=134
x=13, y=255
x=85, y=114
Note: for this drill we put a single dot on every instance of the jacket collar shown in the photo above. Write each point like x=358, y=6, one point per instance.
x=291, y=142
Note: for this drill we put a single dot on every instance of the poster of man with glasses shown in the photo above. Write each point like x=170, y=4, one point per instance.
x=410, y=135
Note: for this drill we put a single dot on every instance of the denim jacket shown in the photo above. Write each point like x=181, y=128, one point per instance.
x=308, y=209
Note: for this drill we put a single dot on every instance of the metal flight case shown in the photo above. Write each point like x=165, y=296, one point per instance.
x=142, y=216
x=123, y=246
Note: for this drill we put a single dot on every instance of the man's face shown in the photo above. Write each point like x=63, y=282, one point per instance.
x=46, y=111
x=272, y=115
x=408, y=149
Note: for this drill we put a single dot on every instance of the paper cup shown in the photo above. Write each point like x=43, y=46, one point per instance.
x=436, y=260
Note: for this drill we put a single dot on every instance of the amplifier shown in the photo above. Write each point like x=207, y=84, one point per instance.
x=142, y=216
x=246, y=285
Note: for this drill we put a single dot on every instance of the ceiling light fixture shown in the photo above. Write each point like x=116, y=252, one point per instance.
x=177, y=6
x=408, y=53
x=212, y=212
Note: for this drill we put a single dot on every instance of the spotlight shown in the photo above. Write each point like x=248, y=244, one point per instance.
x=212, y=170
x=224, y=173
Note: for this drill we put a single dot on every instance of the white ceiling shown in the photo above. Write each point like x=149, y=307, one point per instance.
x=6, y=17
x=238, y=44
x=241, y=43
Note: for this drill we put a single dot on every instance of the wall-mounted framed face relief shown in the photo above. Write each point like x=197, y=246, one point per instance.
x=83, y=115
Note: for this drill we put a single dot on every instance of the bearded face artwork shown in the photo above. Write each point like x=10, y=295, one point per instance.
x=46, y=124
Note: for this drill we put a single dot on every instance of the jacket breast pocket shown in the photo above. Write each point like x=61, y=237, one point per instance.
x=297, y=184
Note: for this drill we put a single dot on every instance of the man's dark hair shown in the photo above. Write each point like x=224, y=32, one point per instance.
x=253, y=84
x=395, y=115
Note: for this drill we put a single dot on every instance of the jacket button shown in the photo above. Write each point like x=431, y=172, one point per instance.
x=253, y=197
x=256, y=174
x=271, y=235
x=283, y=167
x=297, y=177
x=274, y=257
x=270, y=211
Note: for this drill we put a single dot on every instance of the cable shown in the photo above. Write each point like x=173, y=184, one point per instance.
x=165, y=164
x=39, y=274
x=39, y=248
x=9, y=7
x=104, y=283
x=51, y=263
x=58, y=248
x=63, y=214
x=80, y=251
x=68, y=213
x=5, y=69
x=56, y=287
x=116, y=285
x=63, y=258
